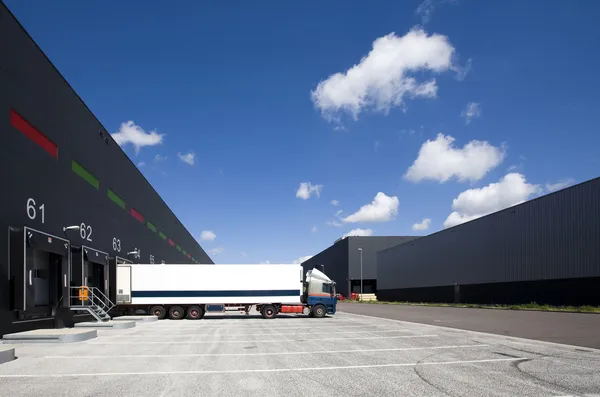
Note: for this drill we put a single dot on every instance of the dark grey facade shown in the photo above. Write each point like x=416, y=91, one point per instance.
x=62, y=168
x=342, y=261
x=544, y=250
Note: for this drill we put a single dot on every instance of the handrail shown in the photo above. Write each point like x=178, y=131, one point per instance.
x=106, y=298
x=95, y=297
x=92, y=300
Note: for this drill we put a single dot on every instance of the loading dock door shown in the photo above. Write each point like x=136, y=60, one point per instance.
x=39, y=271
x=95, y=269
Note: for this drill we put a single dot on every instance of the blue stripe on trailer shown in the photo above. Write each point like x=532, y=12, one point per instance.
x=213, y=294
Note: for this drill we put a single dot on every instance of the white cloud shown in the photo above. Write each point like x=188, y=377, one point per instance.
x=382, y=209
x=338, y=212
x=472, y=110
x=553, y=187
x=424, y=225
x=302, y=259
x=129, y=132
x=335, y=202
x=159, y=159
x=439, y=160
x=187, y=158
x=471, y=204
x=207, y=235
x=314, y=229
x=267, y=262
x=376, y=145
x=306, y=189
x=216, y=251
x=359, y=232
x=244, y=254
x=381, y=80
x=141, y=164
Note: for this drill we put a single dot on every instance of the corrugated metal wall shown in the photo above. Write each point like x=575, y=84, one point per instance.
x=370, y=245
x=335, y=260
x=342, y=259
x=556, y=236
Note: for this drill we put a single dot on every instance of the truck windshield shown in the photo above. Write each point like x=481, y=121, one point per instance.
x=329, y=289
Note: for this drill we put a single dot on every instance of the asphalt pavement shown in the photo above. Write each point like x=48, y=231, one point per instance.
x=345, y=355
x=579, y=329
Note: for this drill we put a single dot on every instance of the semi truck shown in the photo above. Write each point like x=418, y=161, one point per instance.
x=178, y=291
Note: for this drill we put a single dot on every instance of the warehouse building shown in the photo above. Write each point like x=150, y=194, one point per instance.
x=73, y=205
x=342, y=261
x=546, y=250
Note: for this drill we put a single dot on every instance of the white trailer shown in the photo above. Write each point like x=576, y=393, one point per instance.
x=178, y=291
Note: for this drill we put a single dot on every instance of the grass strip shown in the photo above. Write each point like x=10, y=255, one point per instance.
x=524, y=306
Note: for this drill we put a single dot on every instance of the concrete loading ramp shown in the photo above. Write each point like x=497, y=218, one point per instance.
x=145, y=319
x=106, y=324
x=7, y=353
x=61, y=335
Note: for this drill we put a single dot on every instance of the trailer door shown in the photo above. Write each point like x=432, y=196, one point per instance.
x=123, y=284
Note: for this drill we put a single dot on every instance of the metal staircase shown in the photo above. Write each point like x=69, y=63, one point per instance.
x=92, y=301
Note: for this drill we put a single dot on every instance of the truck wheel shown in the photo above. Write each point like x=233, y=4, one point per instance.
x=195, y=312
x=268, y=311
x=176, y=312
x=319, y=311
x=158, y=311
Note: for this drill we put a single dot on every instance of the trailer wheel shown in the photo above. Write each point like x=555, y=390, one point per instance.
x=195, y=312
x=268, y=311
x=176, y=312
x=319, y=311
x=158, y=311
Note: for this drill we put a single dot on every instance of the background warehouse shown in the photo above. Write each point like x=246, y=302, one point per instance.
x=546, y=250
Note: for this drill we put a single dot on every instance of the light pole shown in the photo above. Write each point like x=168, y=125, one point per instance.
x=361, y=274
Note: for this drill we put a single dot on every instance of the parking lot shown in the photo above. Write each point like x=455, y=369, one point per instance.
x=345, y=355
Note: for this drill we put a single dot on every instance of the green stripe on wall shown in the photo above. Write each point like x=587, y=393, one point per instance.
x=113, y=196
x=162, y=235
x=85, y=174
x=178, y=248
x=184, y=252
x=151, y=226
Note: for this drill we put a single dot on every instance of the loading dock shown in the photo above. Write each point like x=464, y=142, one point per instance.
x=91, y=268
x=39, y=272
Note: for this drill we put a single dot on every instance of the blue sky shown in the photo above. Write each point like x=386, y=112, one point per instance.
x=391, y=108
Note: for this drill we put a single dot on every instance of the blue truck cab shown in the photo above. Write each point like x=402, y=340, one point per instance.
x=319, y=294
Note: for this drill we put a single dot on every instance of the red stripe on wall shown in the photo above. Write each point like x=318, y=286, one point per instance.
x=33, y=133
x=189, y=256
x=172, y=242
x=136, y=215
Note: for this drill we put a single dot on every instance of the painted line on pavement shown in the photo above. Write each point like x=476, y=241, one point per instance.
x=203, y=327
x=193, y=342
x=192, y=335
x=242, y=371
x=515, y=339
x=264, y=354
